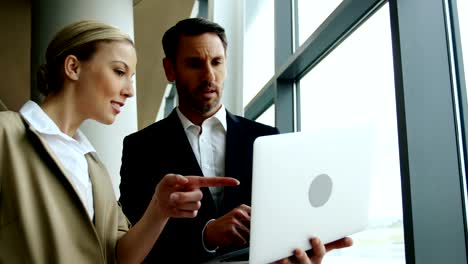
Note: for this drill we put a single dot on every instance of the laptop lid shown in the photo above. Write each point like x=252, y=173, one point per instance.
x=309, y=184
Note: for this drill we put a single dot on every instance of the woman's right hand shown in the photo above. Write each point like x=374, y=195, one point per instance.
x=180, y=196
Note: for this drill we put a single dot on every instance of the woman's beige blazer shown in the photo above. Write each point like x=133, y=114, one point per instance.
x=42, y=219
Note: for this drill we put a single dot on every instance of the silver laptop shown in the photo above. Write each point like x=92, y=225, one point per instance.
x=307, y=184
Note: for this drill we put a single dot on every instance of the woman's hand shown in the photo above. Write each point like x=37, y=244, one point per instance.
x=179, y=196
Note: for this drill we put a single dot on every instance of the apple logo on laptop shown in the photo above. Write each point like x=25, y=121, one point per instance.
x=320, y=190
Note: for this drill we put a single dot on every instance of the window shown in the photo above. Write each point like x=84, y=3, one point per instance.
x=268, y=117
x=463, y=23
x=259, y=61
x=311, y=13
x=354, y=84
x=401, y=78
x=460, y=73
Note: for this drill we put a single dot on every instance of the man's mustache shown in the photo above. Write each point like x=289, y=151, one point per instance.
x=205, y=84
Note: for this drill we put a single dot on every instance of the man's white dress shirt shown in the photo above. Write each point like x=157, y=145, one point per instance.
x=208, y=143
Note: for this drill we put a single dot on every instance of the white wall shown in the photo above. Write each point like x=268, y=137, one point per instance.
x=49, y=16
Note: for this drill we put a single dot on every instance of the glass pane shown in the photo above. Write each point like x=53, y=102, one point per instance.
x=311, y=13
x=463, y=20
x=259, y=59
x=354, y=83
x=268, y=117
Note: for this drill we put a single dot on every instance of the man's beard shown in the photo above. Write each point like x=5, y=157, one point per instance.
x=197, y=104
x=206, y=108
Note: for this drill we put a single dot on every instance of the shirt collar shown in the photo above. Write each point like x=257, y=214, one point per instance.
x=220, y=115
x=43, y=124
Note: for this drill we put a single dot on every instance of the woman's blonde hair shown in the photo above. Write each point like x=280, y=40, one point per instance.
x=79, y=39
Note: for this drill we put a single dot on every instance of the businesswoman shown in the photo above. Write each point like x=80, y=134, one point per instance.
x=56, y=200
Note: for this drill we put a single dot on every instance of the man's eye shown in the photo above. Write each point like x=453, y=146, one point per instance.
x=217, y=61
x=193, y=64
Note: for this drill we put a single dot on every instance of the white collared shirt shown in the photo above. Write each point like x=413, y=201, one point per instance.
x=70, y=151
x=208, y=143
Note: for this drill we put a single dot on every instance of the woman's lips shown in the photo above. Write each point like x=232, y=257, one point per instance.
x=116, y=106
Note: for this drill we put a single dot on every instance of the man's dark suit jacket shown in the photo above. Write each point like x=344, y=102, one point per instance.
x=163, y=148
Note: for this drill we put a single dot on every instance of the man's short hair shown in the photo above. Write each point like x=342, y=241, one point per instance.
x=190, y=27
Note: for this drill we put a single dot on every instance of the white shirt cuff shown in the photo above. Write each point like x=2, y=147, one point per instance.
x=203, y=241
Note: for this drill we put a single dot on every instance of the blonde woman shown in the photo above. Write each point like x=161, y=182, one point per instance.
x=56, y=200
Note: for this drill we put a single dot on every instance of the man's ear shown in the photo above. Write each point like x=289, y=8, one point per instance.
x=169, y=69
x=71, y=67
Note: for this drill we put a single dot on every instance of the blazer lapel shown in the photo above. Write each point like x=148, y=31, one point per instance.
x=181, y=150
x=57, y=162
x=103, y=198
x=234, y=146
x=49, y=151
x=184, y=159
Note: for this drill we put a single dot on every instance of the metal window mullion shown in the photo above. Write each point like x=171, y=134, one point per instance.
x=460, y=82
x=429, y=158
x=284, y=103
x=202, y=8
x=343, y=20
x=264, y=99
x=290, y=67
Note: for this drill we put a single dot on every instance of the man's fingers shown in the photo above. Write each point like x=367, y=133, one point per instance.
x=241, y=236
x=301, y=257
x=197, y=181
x=244, y=232
x=245, y=208
x=242, y=214
x=283, y=261
x=341, y=243
x=318, y=248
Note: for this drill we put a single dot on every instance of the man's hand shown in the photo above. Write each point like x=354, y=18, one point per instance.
x=232, y=229
x=179, y=196
x=317, y=252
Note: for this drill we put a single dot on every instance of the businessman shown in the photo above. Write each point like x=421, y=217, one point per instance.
x=199, y=137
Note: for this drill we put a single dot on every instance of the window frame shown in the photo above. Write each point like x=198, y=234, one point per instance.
x=431, y=152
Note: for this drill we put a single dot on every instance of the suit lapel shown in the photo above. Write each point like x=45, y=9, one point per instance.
x=234, y=146
x=233, y=142
x=184, y=159
x=182, y=152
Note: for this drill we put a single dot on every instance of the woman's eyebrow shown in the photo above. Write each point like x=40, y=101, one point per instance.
x=122, y=62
